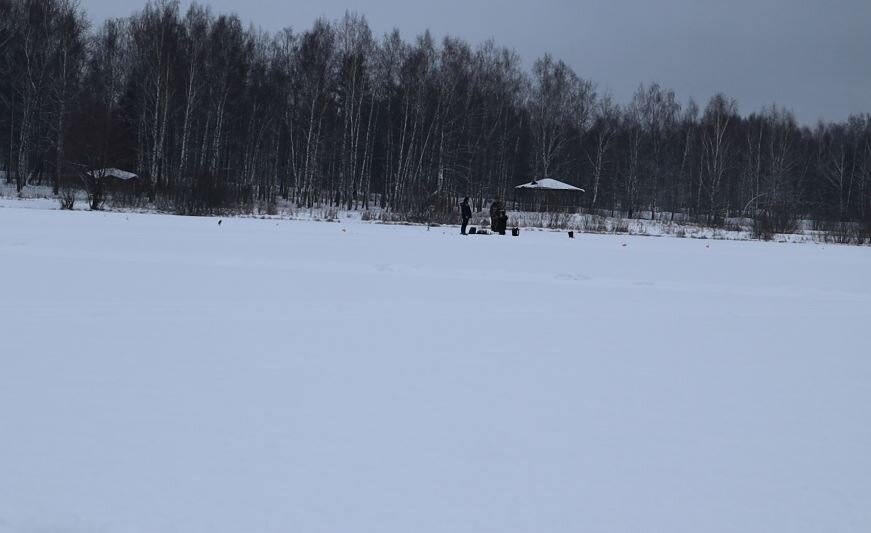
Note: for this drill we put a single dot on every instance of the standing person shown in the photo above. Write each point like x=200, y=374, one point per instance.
x=466, y=214
x=496, y=211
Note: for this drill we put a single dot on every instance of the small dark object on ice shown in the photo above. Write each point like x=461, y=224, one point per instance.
x=515, y=232
x=219, y=222
x=473, y=230
x=571, y=235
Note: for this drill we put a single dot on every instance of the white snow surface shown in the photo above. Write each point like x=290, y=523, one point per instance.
x=166, y=374
x=549, y=183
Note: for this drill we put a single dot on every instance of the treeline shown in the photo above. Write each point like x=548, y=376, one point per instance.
x=212, y=115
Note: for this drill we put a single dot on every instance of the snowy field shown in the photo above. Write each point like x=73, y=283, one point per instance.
x=163, y=374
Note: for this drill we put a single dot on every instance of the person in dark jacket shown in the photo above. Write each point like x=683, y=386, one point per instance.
x=466, y=214
x=503, y=222
x=496, y=212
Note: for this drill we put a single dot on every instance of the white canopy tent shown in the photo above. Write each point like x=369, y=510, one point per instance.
x=549, y=184
x=547, y=194
x=114, y=173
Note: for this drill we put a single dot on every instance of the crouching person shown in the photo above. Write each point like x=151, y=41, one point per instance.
x=497, y=210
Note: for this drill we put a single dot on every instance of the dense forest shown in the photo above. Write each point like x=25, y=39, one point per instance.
x=212, y=115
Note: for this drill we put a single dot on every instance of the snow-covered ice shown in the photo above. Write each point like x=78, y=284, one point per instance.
x=166, y=374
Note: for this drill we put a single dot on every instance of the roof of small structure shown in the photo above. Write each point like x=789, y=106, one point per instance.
x=118, y=174
x=549, y=184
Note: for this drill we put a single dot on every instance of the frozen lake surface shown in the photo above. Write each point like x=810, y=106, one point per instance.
x=164, y=374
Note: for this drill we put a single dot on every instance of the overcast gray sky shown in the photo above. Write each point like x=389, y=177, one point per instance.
x=811, y=56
